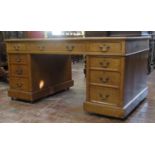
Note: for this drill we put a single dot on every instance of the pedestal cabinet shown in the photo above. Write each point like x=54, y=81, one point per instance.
x=32, y=77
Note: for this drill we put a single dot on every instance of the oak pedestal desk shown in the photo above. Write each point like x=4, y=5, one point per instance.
x=116, y=70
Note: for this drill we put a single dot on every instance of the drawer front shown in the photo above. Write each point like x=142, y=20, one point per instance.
x=57, y=46
x=16, y=47
x=106, y=47
x=19, y=84
x=18, y=58
x=104, y=95
x=105, y=77
x=39, y=46
x=19, y=70
x=105, y=63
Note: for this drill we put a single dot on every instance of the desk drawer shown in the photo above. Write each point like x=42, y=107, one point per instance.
x=16, y=47
x=106, y=47
x=19, y=84
x=39, y=46
x=106, y=63
x=105, y=78
x=19, y=70
x=18, y=58
x=57, y=47
x=104, y=95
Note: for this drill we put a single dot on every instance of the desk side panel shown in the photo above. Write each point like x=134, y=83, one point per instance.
x=135, y=89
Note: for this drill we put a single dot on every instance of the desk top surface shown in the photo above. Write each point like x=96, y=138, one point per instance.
x=80, y=39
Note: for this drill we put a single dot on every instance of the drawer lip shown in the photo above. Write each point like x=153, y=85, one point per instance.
x=104, y=85
x=104, y=69
x=104, y=103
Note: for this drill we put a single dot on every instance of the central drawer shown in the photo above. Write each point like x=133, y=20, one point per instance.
x=19, y=84
x=19, y=70
x=105, y=95
x=105, y=63
x=105, y=77
x=57, y=46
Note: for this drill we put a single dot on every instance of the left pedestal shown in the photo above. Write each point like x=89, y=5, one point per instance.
x=33, y=77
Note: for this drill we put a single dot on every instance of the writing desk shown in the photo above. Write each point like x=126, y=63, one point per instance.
x=116, y=70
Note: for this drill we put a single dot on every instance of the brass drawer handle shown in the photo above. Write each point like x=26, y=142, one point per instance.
x=19, y=85
x=104, y=97
x=104, y=48
x=18, y=59
x=41, y=48
x=19, y=71
x=16, y=47
x=104, y=65
x=70, y=48
x=104, y=80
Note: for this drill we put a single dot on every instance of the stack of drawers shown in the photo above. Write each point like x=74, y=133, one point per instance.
x=105, y=73
x=116, y=76
x=19, y=72
x=104, y=80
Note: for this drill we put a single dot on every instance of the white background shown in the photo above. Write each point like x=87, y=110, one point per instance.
x=77, y=139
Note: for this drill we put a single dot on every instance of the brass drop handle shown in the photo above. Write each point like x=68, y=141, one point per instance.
x=19, y=85
x=41, y=47
x=104, y=64
x=104, y=80
x=70, y=48
x=104, y=48
x=16, y=47
x=104, y=97
x=18, y=59
x=19, y=71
